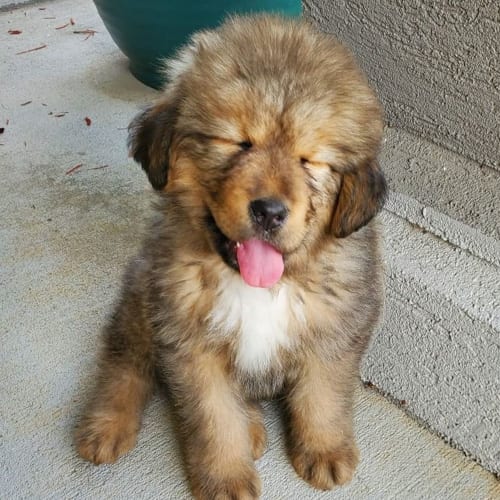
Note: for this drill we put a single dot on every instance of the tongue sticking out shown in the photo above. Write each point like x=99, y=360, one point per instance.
x=260, y=264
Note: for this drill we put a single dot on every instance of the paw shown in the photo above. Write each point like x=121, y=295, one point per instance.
x=325, y=470
x=103, y=438
x=244, y=486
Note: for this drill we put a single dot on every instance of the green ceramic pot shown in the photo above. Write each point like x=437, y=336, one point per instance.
x=148, y=30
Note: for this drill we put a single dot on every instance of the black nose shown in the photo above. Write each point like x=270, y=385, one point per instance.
x=268, y=213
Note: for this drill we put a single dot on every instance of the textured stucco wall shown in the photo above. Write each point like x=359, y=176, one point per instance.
x=435, y=64
x=438, y=347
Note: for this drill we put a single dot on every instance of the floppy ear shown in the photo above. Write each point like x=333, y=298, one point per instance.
x=362, y=194
x=149, y=140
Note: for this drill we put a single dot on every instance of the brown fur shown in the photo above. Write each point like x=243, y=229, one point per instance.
x=260, y=108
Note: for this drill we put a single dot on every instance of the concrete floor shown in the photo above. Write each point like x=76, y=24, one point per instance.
x=73, y=209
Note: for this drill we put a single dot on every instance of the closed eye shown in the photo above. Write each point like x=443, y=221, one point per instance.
x=306, y=162
x=245, y=145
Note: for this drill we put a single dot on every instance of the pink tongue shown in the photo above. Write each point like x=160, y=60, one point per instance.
x=260, y=264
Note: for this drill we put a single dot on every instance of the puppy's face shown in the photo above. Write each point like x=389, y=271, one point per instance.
x=269, y=133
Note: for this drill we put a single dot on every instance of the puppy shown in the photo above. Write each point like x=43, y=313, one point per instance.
x=261, y=274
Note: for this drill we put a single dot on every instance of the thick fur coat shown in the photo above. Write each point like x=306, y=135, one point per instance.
x=266, y=132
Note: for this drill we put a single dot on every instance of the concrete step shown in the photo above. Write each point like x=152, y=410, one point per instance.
x=443, y=192
x=438, y=349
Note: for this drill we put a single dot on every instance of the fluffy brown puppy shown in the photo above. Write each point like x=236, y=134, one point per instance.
x=261, y=274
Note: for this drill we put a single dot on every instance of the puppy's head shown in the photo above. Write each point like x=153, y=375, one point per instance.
x=268, y=131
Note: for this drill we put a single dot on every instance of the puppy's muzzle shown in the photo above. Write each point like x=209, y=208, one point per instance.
x=268, y=214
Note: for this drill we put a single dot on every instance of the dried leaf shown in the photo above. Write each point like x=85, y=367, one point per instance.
x=74, y=169
x=32, y=50
x=88, y=32
x=99, y=168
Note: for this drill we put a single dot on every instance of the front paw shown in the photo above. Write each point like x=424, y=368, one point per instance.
x=241, y=485
x=326, y=469
x=103, y=437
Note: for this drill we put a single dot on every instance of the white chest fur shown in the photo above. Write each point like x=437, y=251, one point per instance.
x=259, y=318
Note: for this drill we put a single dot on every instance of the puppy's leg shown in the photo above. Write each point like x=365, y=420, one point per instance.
x=322, y=446
x=111, y=422
x=256, y=429
x=215, y=424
